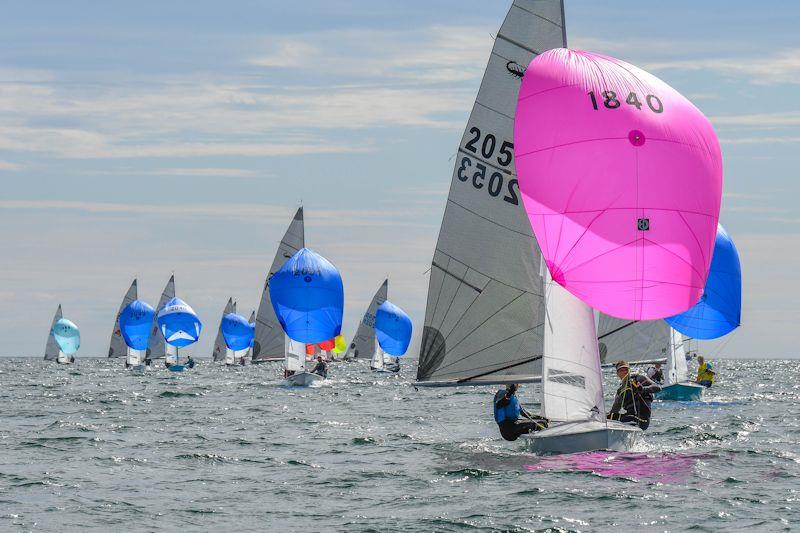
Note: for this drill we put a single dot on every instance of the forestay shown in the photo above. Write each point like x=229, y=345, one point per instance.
x=363, y=345
x=51, y=349
x=269, y=343
x=220, y=348
x=157, y=348
x=572, y=384
x=631, y=340
x=117, y=346
x=484, y=314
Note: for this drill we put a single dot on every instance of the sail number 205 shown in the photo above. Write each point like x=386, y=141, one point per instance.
x=480, y=173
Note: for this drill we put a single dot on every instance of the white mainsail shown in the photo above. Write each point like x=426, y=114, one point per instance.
x=677, y=369
x=117, y=346
x=363, y=344
x=220, y=348
x=294, y=355
x=378, y=358
x=51, y=350
x=269, y=341
x=156, y=347
x=572, y=383
x=631, y=340
x=484, y=314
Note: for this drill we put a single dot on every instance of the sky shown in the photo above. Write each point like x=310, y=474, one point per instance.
x=141, y=139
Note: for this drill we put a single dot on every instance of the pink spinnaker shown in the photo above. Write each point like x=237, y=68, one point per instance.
x=623, y=198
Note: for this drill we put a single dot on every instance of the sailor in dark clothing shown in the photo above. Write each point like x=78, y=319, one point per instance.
x=656, y=374
x=190, y=362
x=634, y=396
x=320, y=368
x=507, y=413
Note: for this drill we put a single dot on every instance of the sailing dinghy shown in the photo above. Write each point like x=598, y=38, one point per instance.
x=157, y=348
x=68, y=339
x=364, y=345
x=220, y=348
x=135, y=321
x=677, y=386
x=295, y=365
x=393, y=335
x=117, y=346
x=269, y=343
x=51, y=350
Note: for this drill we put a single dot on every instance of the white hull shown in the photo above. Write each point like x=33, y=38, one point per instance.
x=583, y=436
x=303, y=379
x=386, y=370
x=138, y=369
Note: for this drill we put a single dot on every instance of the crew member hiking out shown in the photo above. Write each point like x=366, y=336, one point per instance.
x=507, y=413
x=634, y=396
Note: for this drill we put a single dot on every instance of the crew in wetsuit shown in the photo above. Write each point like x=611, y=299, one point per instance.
x=507, y=411
x=705, y=372
x=634, y=395
x=656, y=374
x=190, y=362
x=320, y=368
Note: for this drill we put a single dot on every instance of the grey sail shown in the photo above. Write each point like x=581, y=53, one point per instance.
x=51, y=349
x=631, y=340
x=268, y=344
x=363, y=344
x=485, y=312
x=219, y=343
x=117, y=346
x=157, y=348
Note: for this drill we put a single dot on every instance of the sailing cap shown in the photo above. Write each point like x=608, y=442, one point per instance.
x=621, y=364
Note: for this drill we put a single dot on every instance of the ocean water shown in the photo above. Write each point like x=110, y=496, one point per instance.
x=91, y=447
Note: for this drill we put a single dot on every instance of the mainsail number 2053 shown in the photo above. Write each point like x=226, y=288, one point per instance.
x=480, y=173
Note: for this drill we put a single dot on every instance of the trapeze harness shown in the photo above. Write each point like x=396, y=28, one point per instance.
x=507, y=412
x=635, y=398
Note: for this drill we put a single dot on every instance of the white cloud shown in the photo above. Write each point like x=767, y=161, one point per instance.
x=760, y=140
x=758, y=120
x=781, y=67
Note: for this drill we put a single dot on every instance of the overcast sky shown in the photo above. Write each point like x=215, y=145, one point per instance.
x=138, y=139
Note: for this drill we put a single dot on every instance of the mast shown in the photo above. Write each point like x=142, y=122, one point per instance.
x=117, y=346
x=484, y=313
x=363, y=344
x=269, y=341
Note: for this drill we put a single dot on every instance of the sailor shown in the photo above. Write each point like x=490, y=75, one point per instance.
x=656, y=374
x=507, y=413
x=705, y=372
x=320, y=368
x=241, y=361
x=634, y=396
x=190, y=362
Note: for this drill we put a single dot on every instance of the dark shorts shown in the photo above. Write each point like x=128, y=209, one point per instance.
x=512, y=429
x=629, y=418
x=705, y=383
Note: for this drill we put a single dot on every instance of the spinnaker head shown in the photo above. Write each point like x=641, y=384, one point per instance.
x=135, y=322
x=178, y=323
x=308, y=297
x=621, y=177
x=392, y=329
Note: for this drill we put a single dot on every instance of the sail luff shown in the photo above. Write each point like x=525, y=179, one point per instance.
x=269, y=341
x=117, y=346
x=51, y=348
x=157, y=348
x=484, y=310
x=220, y=348
x=363, y=344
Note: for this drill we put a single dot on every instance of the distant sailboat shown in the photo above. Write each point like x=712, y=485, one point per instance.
x=364, y=345
x=51, y=350
x=297, y=375
x=636, y=342
x=135, y=324
x=68, y=338
x=392, y=336
x=220, y=348
x=117, y=346
x=269, y=342
x=180, y=326
x=157, y=348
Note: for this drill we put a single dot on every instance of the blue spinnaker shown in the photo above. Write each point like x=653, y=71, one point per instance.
x=135, y=322
x=67, y=335
x=178, y=323
x=308, y=297
x=237, y=331
x=719, y=310
x=393, y=329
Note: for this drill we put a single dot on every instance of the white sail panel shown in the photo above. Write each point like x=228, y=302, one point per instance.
x=378, y=360
x=117, y=346
x=631, y=340
x=363, y=343
x=157, y=348
x=572, y=381
x=220, y=348
x=51, y=350
x=677, y=369
x=484, y=314
x=269, y=334
x=295, y=355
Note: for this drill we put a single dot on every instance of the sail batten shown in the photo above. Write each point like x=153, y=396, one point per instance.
x=117, y=346
x=269, y=341
x=484, y=314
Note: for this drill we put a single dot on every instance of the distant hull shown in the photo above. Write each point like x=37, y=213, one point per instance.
x=386, y=370
x=681, y=392
x=304, y=379
x=138, y=369
x=584, y=436
x=267, y=360
x=177, y=368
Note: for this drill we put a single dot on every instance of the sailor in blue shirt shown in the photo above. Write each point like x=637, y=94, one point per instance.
x=511, y=418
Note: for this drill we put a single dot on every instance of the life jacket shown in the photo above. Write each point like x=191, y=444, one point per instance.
x=705, y=373
x=634, y=399
x=509, y=412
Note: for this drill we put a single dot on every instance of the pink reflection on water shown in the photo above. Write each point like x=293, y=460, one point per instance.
x=663, y=468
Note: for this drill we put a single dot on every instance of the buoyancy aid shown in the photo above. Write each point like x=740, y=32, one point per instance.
x=508, y=412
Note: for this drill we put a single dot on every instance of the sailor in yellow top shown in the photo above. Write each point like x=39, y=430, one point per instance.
x=705, y=372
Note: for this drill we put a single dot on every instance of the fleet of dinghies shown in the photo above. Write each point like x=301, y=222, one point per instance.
x=567, y=242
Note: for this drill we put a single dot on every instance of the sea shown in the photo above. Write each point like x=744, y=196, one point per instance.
x=91, y=447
